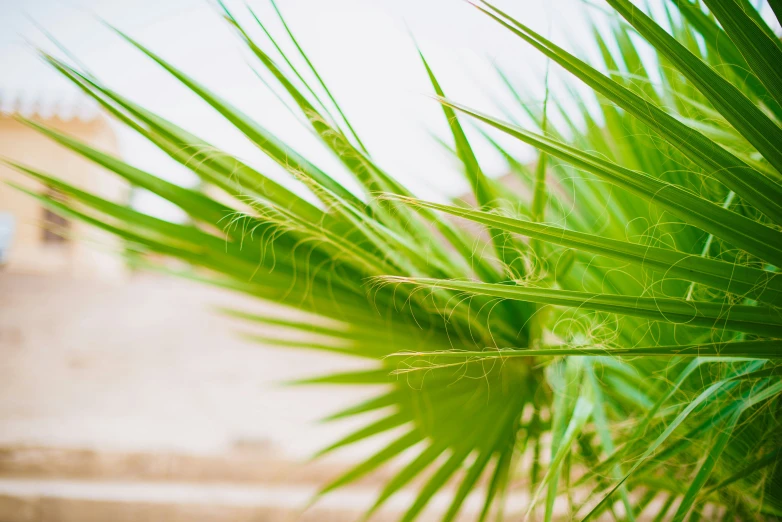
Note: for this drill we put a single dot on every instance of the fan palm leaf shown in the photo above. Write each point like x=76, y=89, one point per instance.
x=617, y=338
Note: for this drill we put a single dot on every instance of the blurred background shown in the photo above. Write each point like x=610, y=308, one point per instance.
x=123, y=394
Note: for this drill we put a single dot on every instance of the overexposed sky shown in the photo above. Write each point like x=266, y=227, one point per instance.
x=362, y=48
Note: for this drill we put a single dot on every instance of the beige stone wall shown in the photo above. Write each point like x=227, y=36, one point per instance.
x=89, y=253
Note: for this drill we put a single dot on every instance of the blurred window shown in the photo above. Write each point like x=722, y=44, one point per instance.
x=55, y=227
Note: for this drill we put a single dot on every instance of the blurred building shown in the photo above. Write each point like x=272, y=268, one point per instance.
x=34, y=240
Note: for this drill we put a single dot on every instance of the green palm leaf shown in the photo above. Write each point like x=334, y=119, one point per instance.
x=624, y=336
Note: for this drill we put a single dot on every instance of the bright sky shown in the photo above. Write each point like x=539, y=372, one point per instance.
x=362, y=48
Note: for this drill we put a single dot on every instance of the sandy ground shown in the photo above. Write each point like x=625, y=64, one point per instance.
x=148, y=365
